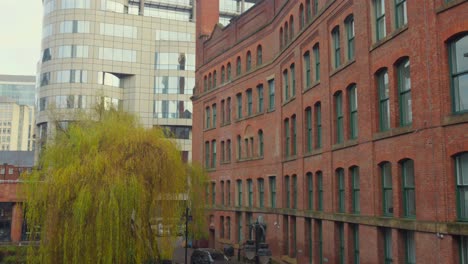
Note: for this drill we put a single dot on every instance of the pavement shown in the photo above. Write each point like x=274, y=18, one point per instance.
x=178, y=256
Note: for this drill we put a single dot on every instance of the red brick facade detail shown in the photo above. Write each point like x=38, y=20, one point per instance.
x=430, y=139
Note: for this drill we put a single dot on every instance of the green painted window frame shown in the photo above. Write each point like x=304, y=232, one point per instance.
x=213, y=193
x=356, y=251
x=248, y=65
x=213, y=154
x=221, y=220
x=308, y=10
x=318, y=125
x=401, y=15
x=380, y=27
x=213, y=110
x=260, y=143
x=239, y=227
x=287, y=138
x=461, y=178
x=222, y=194
x=223, y=75
x=387, y=239
x=336, y=47
x=260, y=107
x=355, y=185
x=294, y=191
x=463, y=249
x=215, y=76
x=410, y=247
x=239, y=193
x=353, y=111
x=301, y=17
x=239, y=66
x=272, y=182
x=250, y=192
x=341, y=243
x=287, y=191
x=387, y=189
x=310, y=191
x=239, y=105
x=350, y=34
x=384, y=100
x=319, y=191
x=316, y=50
x=294, y=236
x=249, y=102
x=228, y=71
x=207, y=154
x=239, y=147
x=316, y=8
x=286, y=85
x=228, y=187
x=408, y=188
x=310, y=240
x=457, y=73
x=205, y=84
x=292, y=69
x=340, y=186
x=228, y=150
x=404, y=92
x=320, y=241
x=271, y=94
x=306, y=59
x=207, y=117
x=339, y=117
x=261, y=193
x=228, y=110
x=308, y=129
x=228, y=219
x=294, y=135
x=259, y=55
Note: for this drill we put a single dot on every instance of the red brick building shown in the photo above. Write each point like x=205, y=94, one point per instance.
x=343, y=123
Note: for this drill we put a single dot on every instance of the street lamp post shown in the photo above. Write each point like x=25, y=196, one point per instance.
x=256, y=248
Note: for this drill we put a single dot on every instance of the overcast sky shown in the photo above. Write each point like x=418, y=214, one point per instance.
x=20, y=36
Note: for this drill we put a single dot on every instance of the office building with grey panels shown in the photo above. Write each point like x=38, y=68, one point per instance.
x=138, y=56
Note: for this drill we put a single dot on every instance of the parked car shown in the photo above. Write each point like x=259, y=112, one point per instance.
x=208, y=256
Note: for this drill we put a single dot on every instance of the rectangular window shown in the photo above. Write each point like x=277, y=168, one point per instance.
x=355, y=190
x=404, y=90
x=317, y=62
x=287, y=191
x=228, y=228
x=350, y=35
x=261, y=193
x=380, y=28
x=272, y=180
x=239, y=106
x=459, y=74
x=319, y=191
x=294, y=190
x=461, y=172
x=336, y=47
x=318, y=125
x=214, y=115
x=260, y=98
x=293, y=80
x=294, y=135
x=213, y=193
x=213, y=154
x=409, y=201
x=228, y=110
x=207, y=154
x=340, y=190
x=341, y=243
x=228, y=190
x=387, y=192
x=249, y=102
x=355, y=235
x=239, y=148
x=320, y=240
x=285, y=85
x=222, y=193
x=260, y=143
x=306, y=58
x=271, y=94
x=310, y=191
x=339, y=118
x=250, y=192
x=384, y=100
x=387, y=239
x=463, y=249
x=287, y=139
x=353, y=112
x=228, y=150
x=410, y=247
x=401, y=18
x=239, y=226
x=239, y=193
x=223, y=112
x=308, y=130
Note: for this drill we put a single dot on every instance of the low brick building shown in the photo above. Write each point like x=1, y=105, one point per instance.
x=343, y=123
x=12, y=165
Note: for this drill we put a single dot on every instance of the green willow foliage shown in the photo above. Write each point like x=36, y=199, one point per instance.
x=102, y=189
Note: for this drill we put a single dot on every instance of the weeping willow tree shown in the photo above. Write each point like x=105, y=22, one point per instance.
x=105, y=188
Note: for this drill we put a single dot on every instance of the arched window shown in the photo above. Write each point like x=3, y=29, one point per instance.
x=404, y=91
x=228, y=71
x=286, y=35
x=336, y=47
x=223, y=74
x=259, y=55
x=281, y=38
x=459, y=73
x=214, y=79
x=260, y=143
x=248, y=64
x=339, y=117
x=291, y=28
x=353, y=111
x=301, y=17
x=384, y=99
x=239, y=66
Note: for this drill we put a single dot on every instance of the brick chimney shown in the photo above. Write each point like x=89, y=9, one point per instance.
x=207, y=16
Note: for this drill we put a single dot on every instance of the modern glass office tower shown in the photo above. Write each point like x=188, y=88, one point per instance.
x=138, y=56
